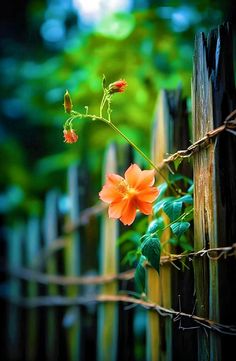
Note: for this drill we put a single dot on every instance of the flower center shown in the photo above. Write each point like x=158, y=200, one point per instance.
x=126, y=190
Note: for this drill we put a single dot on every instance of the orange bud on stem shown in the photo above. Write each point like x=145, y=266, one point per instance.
x=70, y=136
x=117, y=87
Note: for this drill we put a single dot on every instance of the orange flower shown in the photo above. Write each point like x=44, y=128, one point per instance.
x=117, y=87
x=126, y=195
x=70, y=136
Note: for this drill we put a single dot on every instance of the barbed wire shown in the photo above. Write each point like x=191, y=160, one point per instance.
x=28, y=274
x=228, y=125
x=62, y=301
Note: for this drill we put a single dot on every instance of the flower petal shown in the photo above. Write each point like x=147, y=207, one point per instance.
x=144, y=207
x=113, y=179
x=132, y=175
x=128, y=213
x=146, y=179
x=109, y=194
x=116, y=208
x=149, y=194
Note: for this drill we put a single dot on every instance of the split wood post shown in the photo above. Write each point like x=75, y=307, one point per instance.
x=50, y=234
x=32, y=248
x=171, y=133
x=72, y=266
x=108, y=258
x=213, y=98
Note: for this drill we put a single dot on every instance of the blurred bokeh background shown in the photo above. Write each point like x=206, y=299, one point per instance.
x=49, y=46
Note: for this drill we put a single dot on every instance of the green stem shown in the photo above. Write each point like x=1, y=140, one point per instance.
x=180, y=218
x=108, y=122
x=136, y=148
x=104, y=99
x=109, y=109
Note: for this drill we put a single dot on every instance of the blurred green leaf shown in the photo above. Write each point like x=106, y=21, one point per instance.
x=117, y=26
x=130, y=235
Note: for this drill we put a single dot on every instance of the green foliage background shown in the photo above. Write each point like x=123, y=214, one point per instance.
x=148, y=46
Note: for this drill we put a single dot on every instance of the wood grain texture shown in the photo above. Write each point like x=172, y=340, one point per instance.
x=107, y=337
x=212, y=99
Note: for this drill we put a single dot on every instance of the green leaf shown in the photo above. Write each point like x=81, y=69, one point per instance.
x=151, y=249
x=158, y=205
x=173, y=241
x=189, y=217
x=129, y=236
x=178, y=177
x=185, y=244
x=186, y=247
x=187, y=198
x=140, y=276
x=177, y=163
x=162, y=188
x=173, y=209
x=155, y=225
x=130, y=257
x=179, y=228
x=191, y=188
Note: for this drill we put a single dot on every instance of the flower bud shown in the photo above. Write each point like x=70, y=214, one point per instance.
x=117, y=87
x=70, y=136
x=67, y=102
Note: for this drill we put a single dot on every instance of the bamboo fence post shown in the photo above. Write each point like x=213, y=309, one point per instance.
x=50, y=234
x=108, y=313
x=159, y=345
x=32, y=248
x=14, y=260
x=72, y=264
x=213, y=95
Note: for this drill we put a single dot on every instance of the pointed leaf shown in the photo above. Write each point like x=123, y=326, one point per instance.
x=177, y=162
x=158, y=205
x=162, y=188
x=155, y=225
x=187, y=198
x=179, y=228
x=151, y=249
x=173, y=209
x=191, y=188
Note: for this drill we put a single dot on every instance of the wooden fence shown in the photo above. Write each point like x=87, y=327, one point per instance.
x=69, y=297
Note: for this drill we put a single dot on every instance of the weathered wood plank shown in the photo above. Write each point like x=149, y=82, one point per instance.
x=221, y=71
x=72, y=254
x=32, y=248
x=107, y=337
x=14, y=260
x=213, y=95
x=159, y=287
x=50, y=232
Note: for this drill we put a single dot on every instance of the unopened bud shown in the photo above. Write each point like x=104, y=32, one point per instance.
x=117, y=87
x=104, y=81
x=67, y=102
